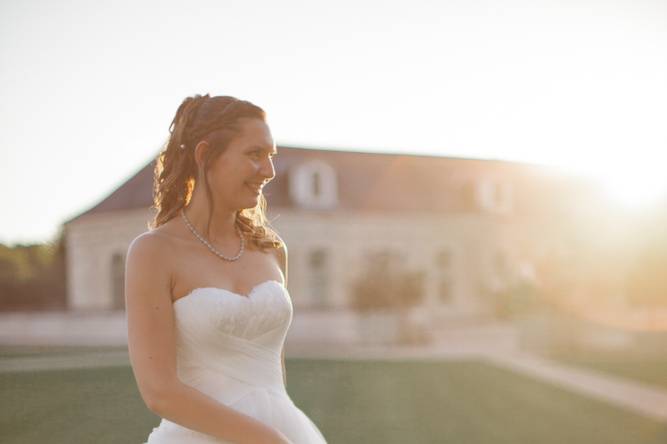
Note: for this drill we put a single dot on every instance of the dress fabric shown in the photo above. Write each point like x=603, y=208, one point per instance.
x=229, y=347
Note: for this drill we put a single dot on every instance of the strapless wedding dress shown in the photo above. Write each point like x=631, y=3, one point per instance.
x=229, y=347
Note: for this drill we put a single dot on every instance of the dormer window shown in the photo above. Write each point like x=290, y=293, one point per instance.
x=313, y=184
x=317, y=184
x=494, y=196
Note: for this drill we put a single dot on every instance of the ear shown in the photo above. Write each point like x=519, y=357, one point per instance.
x=200, y=152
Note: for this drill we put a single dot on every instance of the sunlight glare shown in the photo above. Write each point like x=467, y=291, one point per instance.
x=632, y=186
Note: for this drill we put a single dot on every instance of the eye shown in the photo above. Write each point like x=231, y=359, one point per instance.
x=258, y=154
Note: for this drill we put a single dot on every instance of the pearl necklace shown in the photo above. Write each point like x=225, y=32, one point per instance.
x=211, y=247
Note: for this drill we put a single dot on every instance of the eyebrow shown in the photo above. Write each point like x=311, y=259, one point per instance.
x=264, y=149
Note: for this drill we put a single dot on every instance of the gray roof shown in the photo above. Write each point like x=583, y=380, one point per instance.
x=366, y=181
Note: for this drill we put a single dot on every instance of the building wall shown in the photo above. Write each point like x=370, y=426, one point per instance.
x=417, y=239
x=339, y=242
x=92, y=242
x=464, y=254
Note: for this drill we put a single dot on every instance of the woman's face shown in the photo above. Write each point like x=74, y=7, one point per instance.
x=239, y=173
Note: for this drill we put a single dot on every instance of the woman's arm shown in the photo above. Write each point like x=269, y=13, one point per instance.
x=195, y=410
x=282, y=262
x=152, y=349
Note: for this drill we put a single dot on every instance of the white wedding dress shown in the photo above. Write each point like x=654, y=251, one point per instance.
x=229, y=347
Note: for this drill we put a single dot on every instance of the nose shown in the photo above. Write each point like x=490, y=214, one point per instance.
x=267, y=170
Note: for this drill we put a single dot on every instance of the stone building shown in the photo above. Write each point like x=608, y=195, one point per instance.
x=465, y=223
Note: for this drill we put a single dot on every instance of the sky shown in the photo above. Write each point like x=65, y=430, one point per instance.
x=89, y=88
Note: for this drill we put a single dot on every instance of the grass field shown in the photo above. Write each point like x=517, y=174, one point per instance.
x=642, y=367
x=464, y=402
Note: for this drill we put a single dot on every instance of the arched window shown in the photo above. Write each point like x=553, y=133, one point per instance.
x=444, y=274
x=495, y=196
x=318, y=276
x=317, y=184
x=118, y=281
x=313, y=184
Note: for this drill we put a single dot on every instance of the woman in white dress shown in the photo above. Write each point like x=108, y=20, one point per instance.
x=206, y=299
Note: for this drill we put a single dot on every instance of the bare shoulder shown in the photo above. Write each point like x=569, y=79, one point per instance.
x=281, y=256
x=282, y=250
x=150, y=243
x=147, y=239
x=147, y=255
x=158, y=241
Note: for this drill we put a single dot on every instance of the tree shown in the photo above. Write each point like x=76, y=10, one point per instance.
x=32, y=277
x=385, y=286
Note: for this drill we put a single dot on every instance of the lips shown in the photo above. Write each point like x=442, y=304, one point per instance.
x=256, y=188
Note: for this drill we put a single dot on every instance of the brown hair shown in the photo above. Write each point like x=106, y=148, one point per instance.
x=215, y=120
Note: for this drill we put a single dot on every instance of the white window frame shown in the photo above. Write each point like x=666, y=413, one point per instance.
x=494, y=195
x=301, y=181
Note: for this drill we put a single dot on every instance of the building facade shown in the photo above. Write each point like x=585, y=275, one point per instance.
x=466, y=224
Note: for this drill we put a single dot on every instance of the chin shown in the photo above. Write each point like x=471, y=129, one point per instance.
x=251, y=204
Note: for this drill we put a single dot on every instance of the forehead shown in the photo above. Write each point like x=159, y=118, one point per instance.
x=255, y=133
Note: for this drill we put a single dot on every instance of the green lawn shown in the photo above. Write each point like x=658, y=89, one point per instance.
x=12, y=351
x=642, y=367
x=463, y=402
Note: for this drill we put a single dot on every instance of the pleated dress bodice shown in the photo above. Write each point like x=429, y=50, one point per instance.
x=229, y=346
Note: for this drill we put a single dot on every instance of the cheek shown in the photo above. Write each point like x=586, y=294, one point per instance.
x=227, y=174
x=224, y=185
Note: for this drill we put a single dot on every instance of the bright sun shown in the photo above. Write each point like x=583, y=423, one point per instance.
x=634, y=187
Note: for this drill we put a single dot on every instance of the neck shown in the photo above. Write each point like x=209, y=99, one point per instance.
x=222, y=229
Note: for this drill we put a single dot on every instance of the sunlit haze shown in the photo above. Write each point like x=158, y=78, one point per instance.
x=89, y=89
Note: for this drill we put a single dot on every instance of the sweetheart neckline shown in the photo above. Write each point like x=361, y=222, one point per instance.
x=247, y=297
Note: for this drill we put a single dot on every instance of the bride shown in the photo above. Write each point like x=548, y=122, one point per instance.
x=206, y=299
